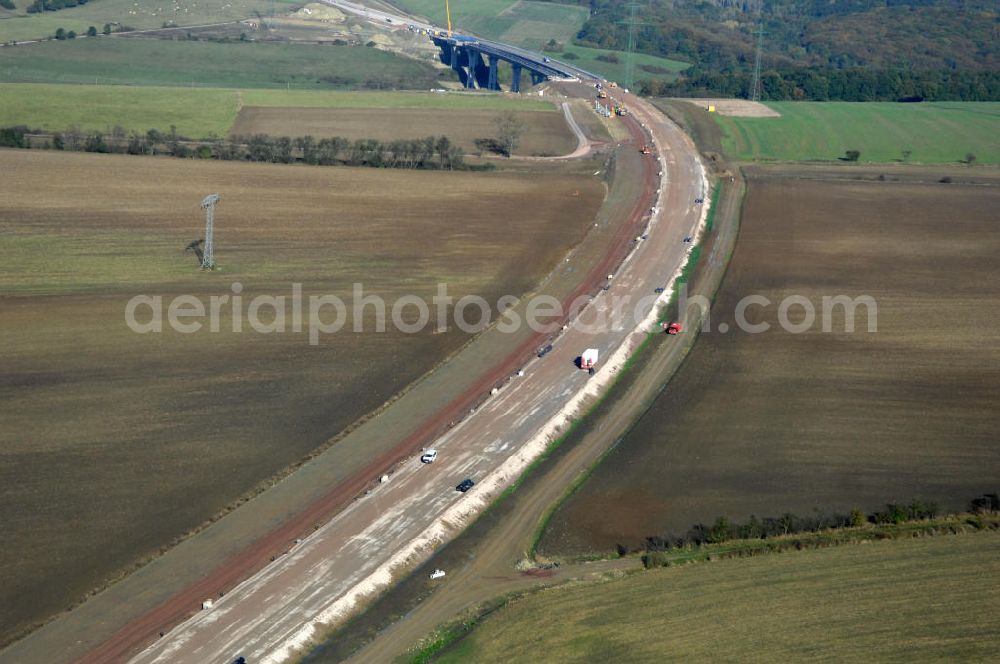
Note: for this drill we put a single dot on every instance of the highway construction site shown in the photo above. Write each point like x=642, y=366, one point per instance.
x=624, y=253
x=423, y=474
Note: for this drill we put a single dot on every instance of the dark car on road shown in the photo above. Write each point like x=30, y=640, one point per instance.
x=545, y=350
x=465, y=485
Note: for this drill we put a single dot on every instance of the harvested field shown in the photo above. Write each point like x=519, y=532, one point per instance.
x=546, y=132
x=930, y=599
x=736, y=108
x=116, y=443
x=778, y=422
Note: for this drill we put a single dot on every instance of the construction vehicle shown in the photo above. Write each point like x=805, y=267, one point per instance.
x=602, y=94
x=645, y=149
x=588, y=360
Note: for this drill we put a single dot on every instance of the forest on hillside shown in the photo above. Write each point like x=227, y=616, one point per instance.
x=852, y=50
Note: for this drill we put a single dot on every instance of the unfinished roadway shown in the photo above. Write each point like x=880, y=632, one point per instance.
x=285, y=604
x=289, y=603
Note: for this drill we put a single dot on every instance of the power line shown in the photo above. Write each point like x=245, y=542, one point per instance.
x=632, y=24
x=755, y=82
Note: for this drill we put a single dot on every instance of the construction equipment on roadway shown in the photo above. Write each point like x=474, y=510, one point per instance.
x=588, y=360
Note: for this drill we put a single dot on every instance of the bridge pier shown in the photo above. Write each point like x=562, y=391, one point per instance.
x=471, y=55
x=493, y=84
x=477, y=63
x=478, y=72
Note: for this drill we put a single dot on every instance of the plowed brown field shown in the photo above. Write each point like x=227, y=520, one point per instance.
x=546, y=133
x=778, y=422
x=113, y=444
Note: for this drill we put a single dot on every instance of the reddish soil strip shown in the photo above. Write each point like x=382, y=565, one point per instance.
x=133, y=637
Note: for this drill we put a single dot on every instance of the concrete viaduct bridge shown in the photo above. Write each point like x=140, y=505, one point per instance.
x=476, y=62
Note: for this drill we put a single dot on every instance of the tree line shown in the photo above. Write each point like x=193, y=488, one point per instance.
x=39, y=6
x=854, y=84
x=724, y=530
x=431, y=152
x=814, y=49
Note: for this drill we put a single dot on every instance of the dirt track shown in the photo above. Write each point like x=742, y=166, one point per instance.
x=259, y=554
x=481, y=563
x=88, y=403
x=411, y=500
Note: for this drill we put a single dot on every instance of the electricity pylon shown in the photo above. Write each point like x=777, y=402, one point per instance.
x=755, y=82
x=208, y=258
x=632, y=23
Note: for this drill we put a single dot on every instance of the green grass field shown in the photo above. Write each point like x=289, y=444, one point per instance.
x=369, y=99
x=121, y=61
x=201, y=112
x=532, y=25
x=195, y=112
x=145, y=15
x=523, y=23
x=941, y=132
x=615, y=71
x=922, y=599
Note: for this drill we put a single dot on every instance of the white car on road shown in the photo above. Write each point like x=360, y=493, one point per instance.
x=429, y=456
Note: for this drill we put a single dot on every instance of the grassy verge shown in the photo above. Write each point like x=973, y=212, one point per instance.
x=452, y=632
x=710, y=218
x=928, y=133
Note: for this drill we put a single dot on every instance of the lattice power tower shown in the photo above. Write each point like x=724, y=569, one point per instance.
x=633, y=24
x=755, y=81
x=208, y=259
